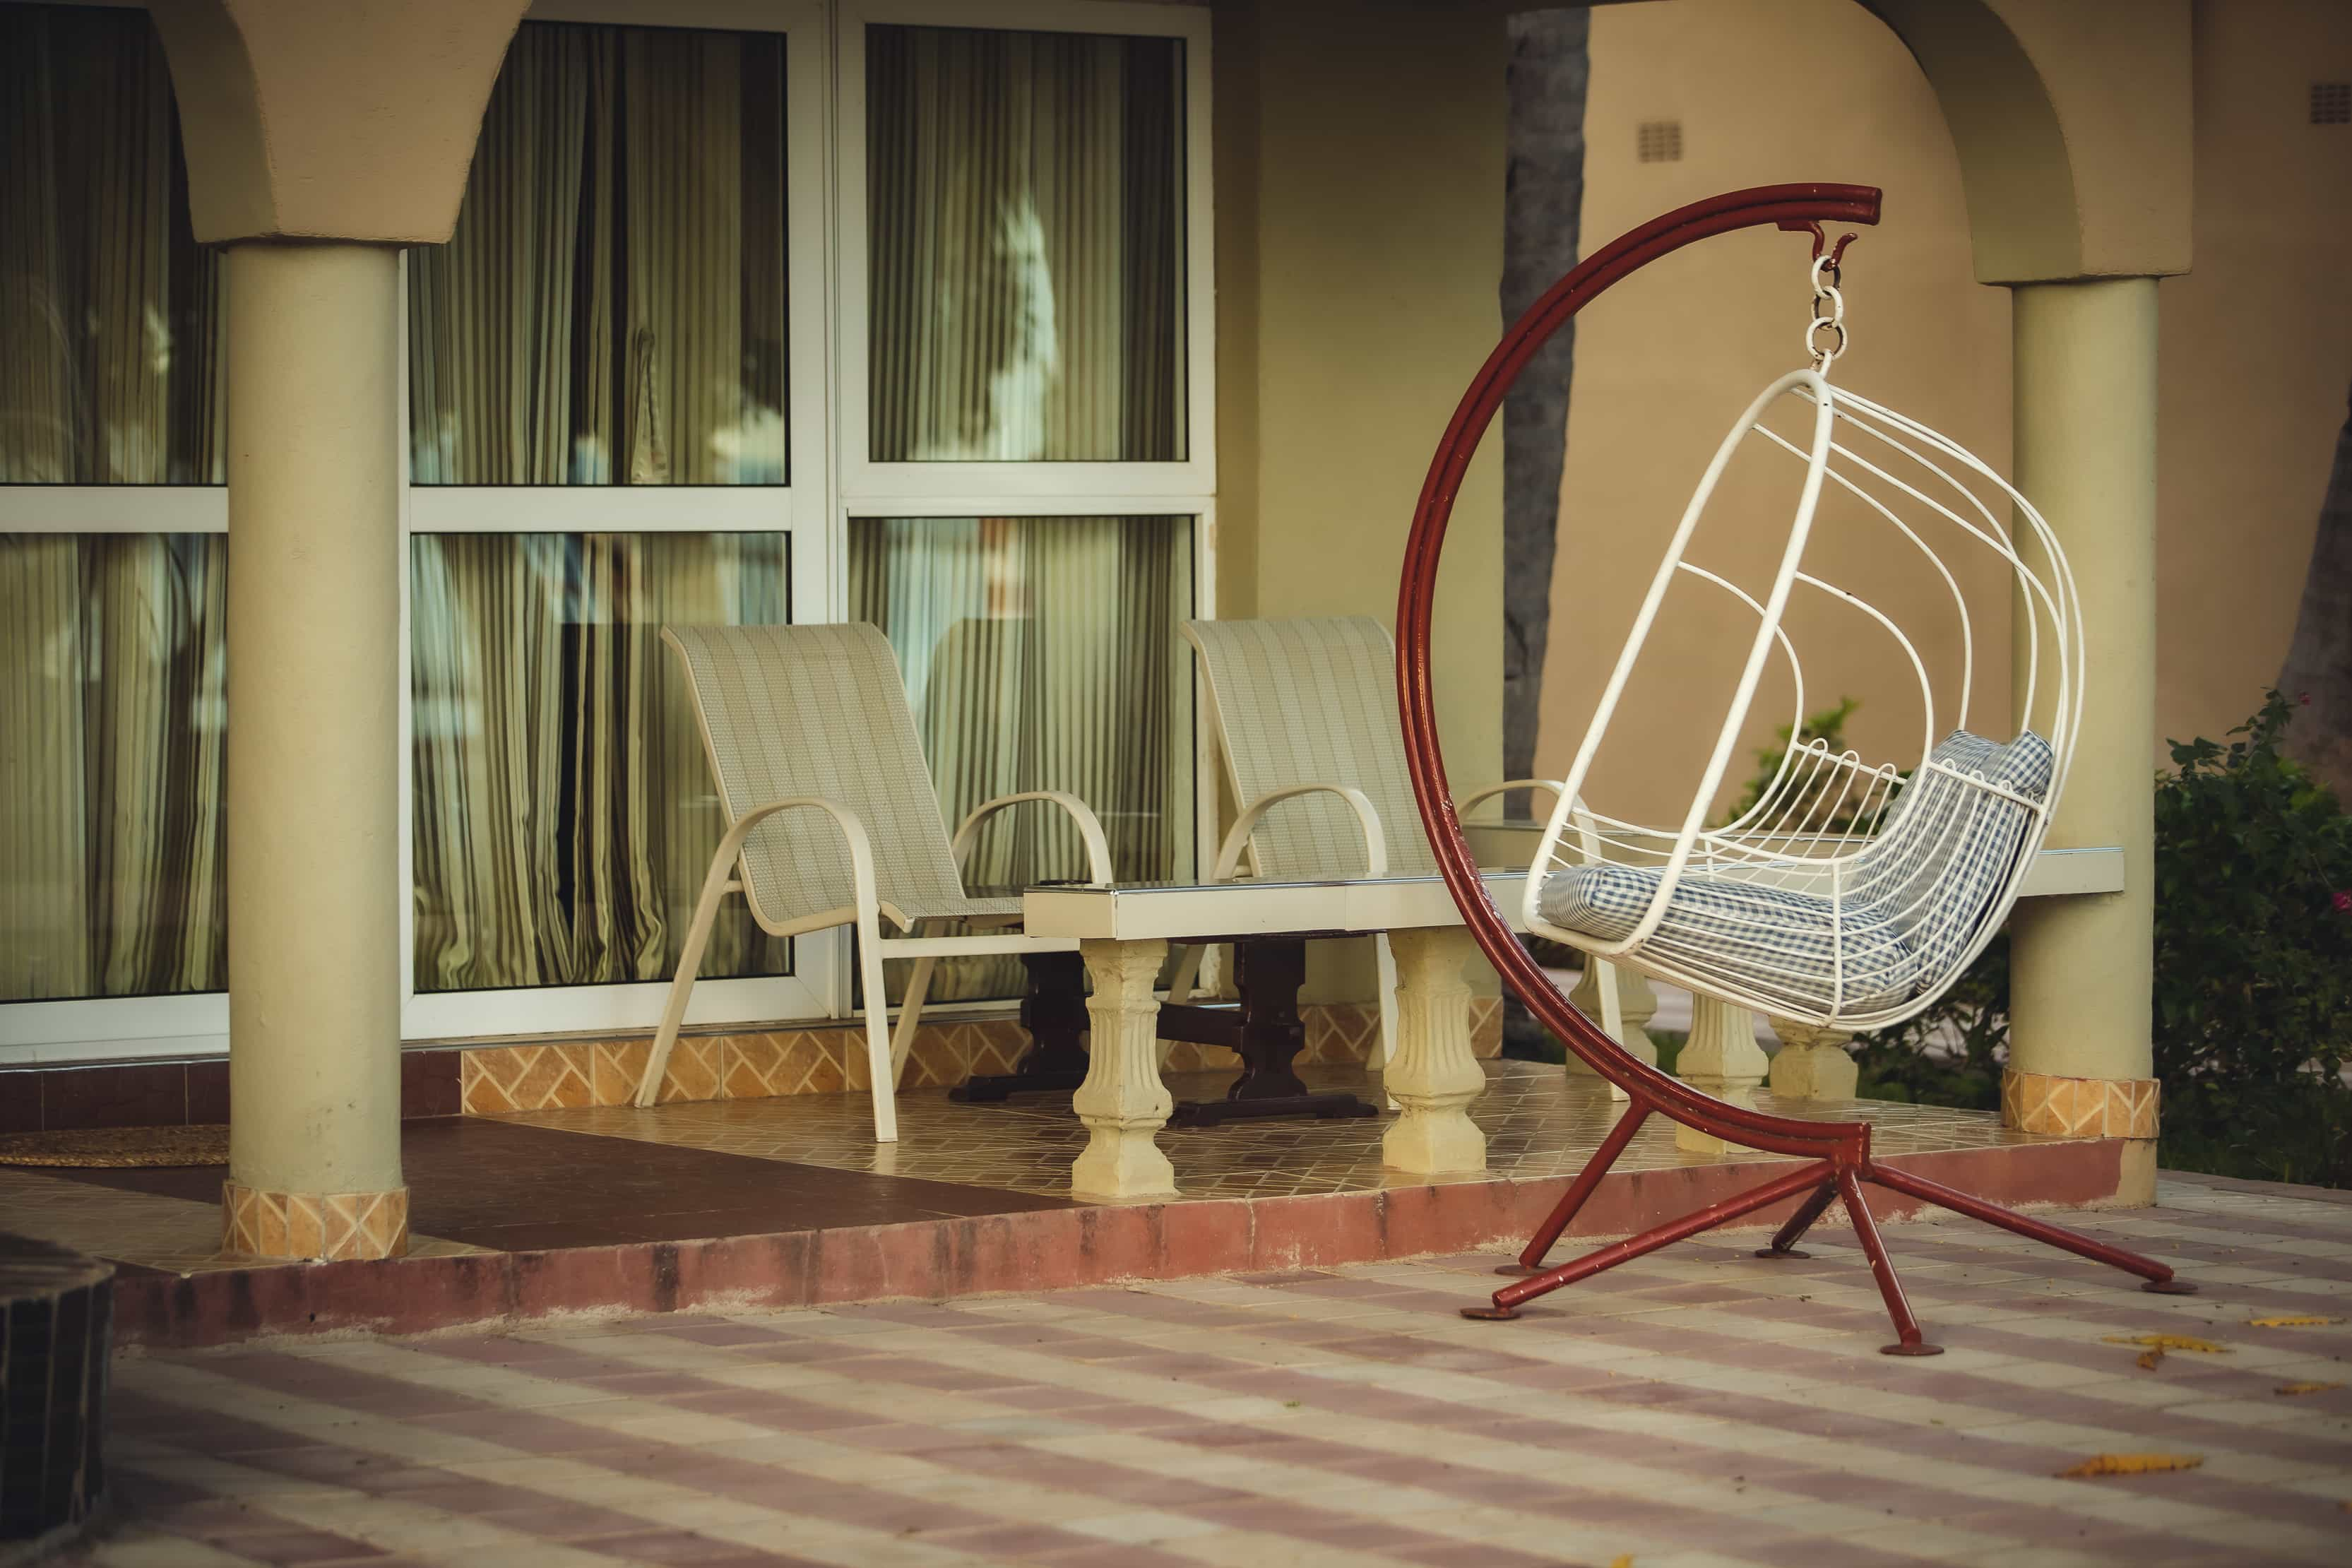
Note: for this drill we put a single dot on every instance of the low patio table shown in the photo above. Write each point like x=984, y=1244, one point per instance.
x=1123, y=933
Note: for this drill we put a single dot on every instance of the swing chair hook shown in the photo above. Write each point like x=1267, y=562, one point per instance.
x=1821, y=240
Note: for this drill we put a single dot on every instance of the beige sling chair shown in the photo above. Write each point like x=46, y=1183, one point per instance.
x=1305, y=716
x=832, y=820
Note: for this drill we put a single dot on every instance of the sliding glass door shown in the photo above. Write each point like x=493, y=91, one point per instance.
x=756, y=312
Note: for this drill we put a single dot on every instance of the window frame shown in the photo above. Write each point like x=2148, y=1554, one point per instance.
x=797, y=509
x=1118, y=486
x=829, y=481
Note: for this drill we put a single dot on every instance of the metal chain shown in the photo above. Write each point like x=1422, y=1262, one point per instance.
x=1829, y=312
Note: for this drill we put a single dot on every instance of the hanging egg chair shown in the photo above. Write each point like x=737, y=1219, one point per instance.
x=1852, y=891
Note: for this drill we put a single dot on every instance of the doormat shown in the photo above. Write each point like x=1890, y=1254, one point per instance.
x=96, y=1147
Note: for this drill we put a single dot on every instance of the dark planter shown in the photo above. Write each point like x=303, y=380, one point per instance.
x=57, y=1313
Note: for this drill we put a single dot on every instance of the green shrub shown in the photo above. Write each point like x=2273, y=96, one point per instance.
x=2252, y=1001
x=2253, y=960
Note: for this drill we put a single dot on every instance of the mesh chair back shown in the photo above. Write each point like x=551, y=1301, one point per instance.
x=818, y=711
x=1313, y=701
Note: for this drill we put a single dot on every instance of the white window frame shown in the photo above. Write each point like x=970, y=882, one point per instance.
x=798, y=508
x=830, y=481
x=1122, y=485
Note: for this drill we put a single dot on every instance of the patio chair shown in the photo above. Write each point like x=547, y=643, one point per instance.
x=1306, y=717
x=832, y=820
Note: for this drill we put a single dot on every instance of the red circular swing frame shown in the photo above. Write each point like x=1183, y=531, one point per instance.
x=1837, y=1154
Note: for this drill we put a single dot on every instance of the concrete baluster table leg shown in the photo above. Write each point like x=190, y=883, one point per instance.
x=1122, y=1103
x=1434, y=1076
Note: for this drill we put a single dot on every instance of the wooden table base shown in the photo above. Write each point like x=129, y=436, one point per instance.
x=1263, y=1028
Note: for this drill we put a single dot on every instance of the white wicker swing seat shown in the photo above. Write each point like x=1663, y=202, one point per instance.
x=1916, y=894
x=1845, y=895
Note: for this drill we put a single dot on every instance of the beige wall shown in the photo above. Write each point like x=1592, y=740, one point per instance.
x=1359, y=191
x=2257, y=347
x=2256, y=353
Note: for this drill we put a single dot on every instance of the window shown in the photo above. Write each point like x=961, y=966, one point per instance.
x=793, y=310
x=113, y=563
x=611, y=310
x=1042, y=653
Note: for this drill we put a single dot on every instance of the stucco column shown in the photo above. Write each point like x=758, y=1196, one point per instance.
x=313, y=758
x=2080, y=1056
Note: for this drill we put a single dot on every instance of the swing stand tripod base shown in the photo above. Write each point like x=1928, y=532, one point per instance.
x=1781, y=1252
x=1490, y=1314
x=2169, y=1288
x=1920, y=1349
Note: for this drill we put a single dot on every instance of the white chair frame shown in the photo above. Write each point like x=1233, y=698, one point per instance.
x=1886, y=461
x=886, y=1051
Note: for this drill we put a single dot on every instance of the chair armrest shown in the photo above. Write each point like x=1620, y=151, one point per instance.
x=853, y=832
x=1464, y=808
x=1090, y=829
x=1376, y=844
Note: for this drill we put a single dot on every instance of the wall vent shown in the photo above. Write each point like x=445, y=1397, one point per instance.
x=1658, y=140
x=2331, y=103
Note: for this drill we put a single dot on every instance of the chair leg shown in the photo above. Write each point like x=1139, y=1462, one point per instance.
x=1188, y=970
x=681, y=986
x=1908, y=1341
x=1579, y=1192
x=1386, y=962
x=882, y=1078
x=2159, y=1276
x=1784, y=1241
x=910, y=1012
x=1507, y=1298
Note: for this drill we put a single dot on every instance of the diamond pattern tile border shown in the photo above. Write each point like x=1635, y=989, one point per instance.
x=500, y=1080
x=2079, y=1107
x=327, y=1226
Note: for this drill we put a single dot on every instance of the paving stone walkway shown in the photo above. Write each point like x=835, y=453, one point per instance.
x=1698, y=1408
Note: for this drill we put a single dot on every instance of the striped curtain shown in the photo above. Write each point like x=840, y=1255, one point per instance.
x=112, y=664
x=1042, y=653
x=110, y=317
x=611, y=309
x=113, y=680
x=563, y=813
x=1026, y=234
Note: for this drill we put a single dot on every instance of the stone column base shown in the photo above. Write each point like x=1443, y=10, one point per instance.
x=324, y=1225
x=2079, y=1107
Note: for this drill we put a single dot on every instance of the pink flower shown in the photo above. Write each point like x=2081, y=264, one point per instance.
x=2304, y=697
x=2343, y=902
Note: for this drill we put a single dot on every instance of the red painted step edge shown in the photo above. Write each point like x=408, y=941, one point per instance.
x=1043, y=1249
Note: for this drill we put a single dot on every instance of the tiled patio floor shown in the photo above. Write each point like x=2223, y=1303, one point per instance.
x=1696, y=1408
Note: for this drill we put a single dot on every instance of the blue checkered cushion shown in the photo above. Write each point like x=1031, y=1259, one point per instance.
x=1917, y=896
x=1946, y=853
x=1768, y=940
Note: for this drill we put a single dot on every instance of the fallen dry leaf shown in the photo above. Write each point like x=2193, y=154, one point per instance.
x=2169, y=1342
x=2134, y=1463
x=2292, y=1389
x=2291, y=1322
x=2149, y=1357
x=1624, y=1562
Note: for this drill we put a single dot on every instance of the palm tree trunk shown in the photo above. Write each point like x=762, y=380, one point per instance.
x=1544, y=199
x=2319, y=660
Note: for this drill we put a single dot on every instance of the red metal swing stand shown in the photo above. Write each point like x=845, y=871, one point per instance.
x=1838, y=1163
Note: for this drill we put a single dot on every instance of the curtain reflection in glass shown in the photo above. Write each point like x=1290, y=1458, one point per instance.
x=113, y=680
x=1042, y=653
x=1025, y=232
x=611, y=310
x=110, y=369
x=563, y=814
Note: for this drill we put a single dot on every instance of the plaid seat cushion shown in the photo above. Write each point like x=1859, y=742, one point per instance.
x=1768, y=940
x=1917, y=896
x=1941, y=864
